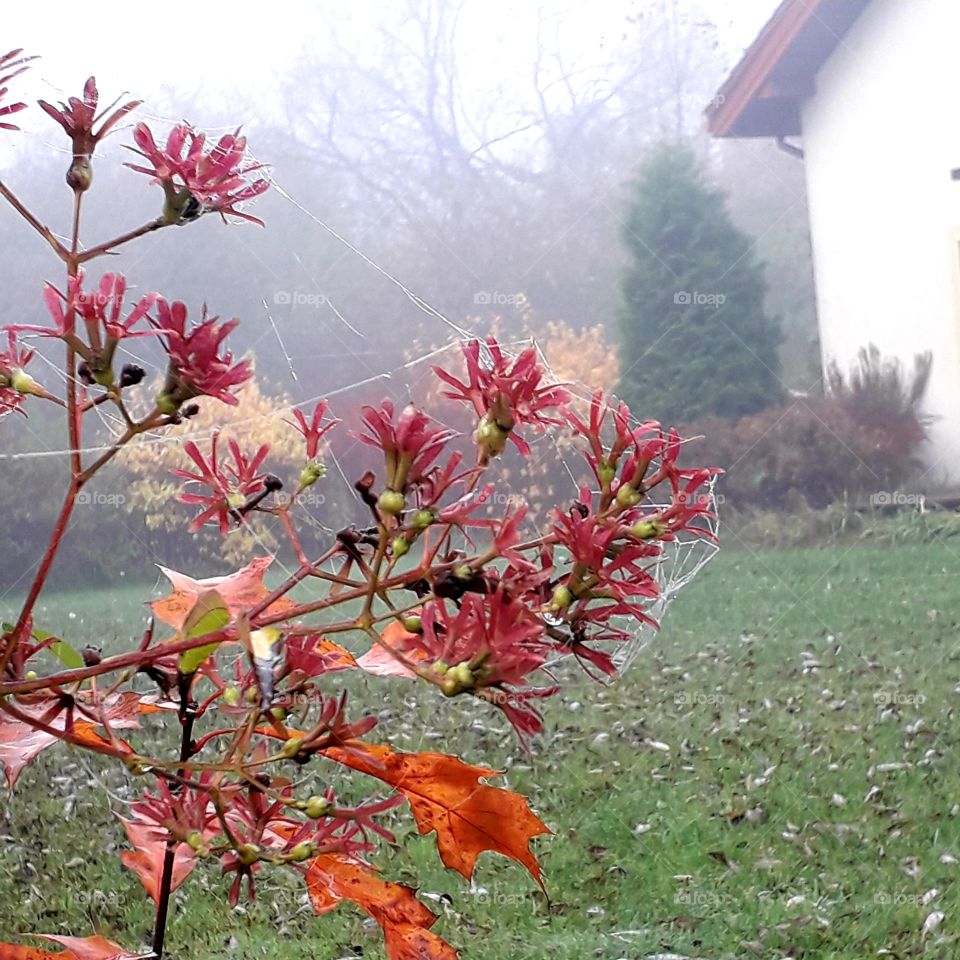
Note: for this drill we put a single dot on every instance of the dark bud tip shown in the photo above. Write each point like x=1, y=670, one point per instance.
x=131, y=375
x=85, y=373
x=190, y=410
x=272, y=483
x=91, y=656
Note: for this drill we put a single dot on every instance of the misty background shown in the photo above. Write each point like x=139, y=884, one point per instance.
x=443, y=159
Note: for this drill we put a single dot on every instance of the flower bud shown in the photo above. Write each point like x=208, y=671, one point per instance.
x=399, y=546
x=80, y=175
x=311, y=473
x=412, y=624
x=391, y=502
x=23, y=383
x=317, y=807
x=607, y=472
x=231, y=695
x=627, y=496
x=491, y=437
x=463, y=674
x=647, y=529
x=302, y=851
x=422, y=519
x=562, y=598
x=248, y=853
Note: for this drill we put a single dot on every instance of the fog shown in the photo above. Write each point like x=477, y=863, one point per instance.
x=437, y=169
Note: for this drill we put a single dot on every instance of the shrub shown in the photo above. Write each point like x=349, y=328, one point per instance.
x=861, y=438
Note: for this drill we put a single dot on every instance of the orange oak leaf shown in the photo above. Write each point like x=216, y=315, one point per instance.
x=380, y=661
x=146, y=859
x=240, y=591
x=77, y=948
x=405, y=920
x=445, y=795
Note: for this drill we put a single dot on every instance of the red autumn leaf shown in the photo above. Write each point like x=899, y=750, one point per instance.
x=407, y=942
x=405, y=920
x=78, y=948
x=20, y=743
x=90, y=948
x=380, y=661
x=240, y=591
x=445, y=795
x=146, y=859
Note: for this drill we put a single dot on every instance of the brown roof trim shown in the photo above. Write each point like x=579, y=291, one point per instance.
x=763, y=95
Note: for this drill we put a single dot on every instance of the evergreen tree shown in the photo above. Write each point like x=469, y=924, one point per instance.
x=695, y=340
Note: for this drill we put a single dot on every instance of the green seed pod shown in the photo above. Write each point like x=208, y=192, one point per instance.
x=291, y=747
x=302, y=851
x=316, y=807
x=562, y=598
x=391, y=502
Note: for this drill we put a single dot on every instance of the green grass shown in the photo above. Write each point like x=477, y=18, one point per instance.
x=783, y=684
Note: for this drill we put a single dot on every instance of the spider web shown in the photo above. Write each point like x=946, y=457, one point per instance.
x=553, y=476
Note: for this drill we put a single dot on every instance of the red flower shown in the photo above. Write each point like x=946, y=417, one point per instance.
x=499, y=639
x=623, y=436
x=15, y=382
x=196, y=366
x=231, y=483
x=312, y=430
x=77, y=118
x=100, y=311
x=409, y=446
x=13, y=62
x=196, y=181
x=505, y=394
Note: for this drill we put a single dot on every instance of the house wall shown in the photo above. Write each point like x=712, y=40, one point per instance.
x=880, y=137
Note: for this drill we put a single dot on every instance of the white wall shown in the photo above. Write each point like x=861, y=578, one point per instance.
x=881, y=136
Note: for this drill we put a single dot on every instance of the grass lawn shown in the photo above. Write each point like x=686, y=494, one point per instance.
x=777, y=776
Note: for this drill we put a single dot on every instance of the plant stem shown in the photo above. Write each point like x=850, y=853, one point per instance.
x=103, y=248
x=187, y=716
x=16, y=635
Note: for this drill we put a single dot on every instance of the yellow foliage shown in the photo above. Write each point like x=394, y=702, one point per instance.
x=256, y=419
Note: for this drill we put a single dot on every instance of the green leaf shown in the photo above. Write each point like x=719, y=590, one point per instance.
x=208, y=615
x=63, y=652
